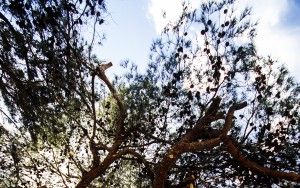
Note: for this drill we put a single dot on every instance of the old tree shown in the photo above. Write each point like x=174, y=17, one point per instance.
x=208, y=111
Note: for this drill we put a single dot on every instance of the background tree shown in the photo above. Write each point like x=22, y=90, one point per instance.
x=209, y=110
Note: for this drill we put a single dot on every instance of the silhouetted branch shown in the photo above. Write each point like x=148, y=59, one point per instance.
x=256, y=168
x=229, y=116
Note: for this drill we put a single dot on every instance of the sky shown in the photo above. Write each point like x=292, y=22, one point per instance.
x=133, y=24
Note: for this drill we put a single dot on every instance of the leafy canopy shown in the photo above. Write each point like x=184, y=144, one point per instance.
x=209, y=110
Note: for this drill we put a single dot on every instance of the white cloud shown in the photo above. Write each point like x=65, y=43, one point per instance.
x=273, y=37
x=172, y=8
x=156, y=9
x=269, y=12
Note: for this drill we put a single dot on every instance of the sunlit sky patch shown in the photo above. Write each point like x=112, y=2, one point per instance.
x=133, y=24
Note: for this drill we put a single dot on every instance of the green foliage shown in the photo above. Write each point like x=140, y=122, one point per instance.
x=189, y=70
x=43, y=67
x=69, y=127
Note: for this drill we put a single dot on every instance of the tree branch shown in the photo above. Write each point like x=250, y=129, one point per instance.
x=174, y=153
x=143, y=161
x=253, y=166
x=100, y=71
x=188, y=142
x=229, y=117
x=210, y=116
x=96, y=171
x=198, y=146
x=8, y=23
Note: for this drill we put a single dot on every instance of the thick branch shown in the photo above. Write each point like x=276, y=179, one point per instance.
x=8, y=23
x=96, y=171
x=122, y=112
x=210, y=116
x=251, y=165
x=198, y=146
x=229, y=117
x=173, y=154
x=214, y=107
x=188, y=142
x=101, y=73
x=99, y=170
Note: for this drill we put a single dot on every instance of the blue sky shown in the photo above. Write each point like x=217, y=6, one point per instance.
x=133, y=24
x=292, y=16
x=129, y=32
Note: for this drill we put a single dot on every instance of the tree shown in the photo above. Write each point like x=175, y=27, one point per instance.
x=208, y=111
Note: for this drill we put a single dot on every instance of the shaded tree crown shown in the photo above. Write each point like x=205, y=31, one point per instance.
x=209, y=110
